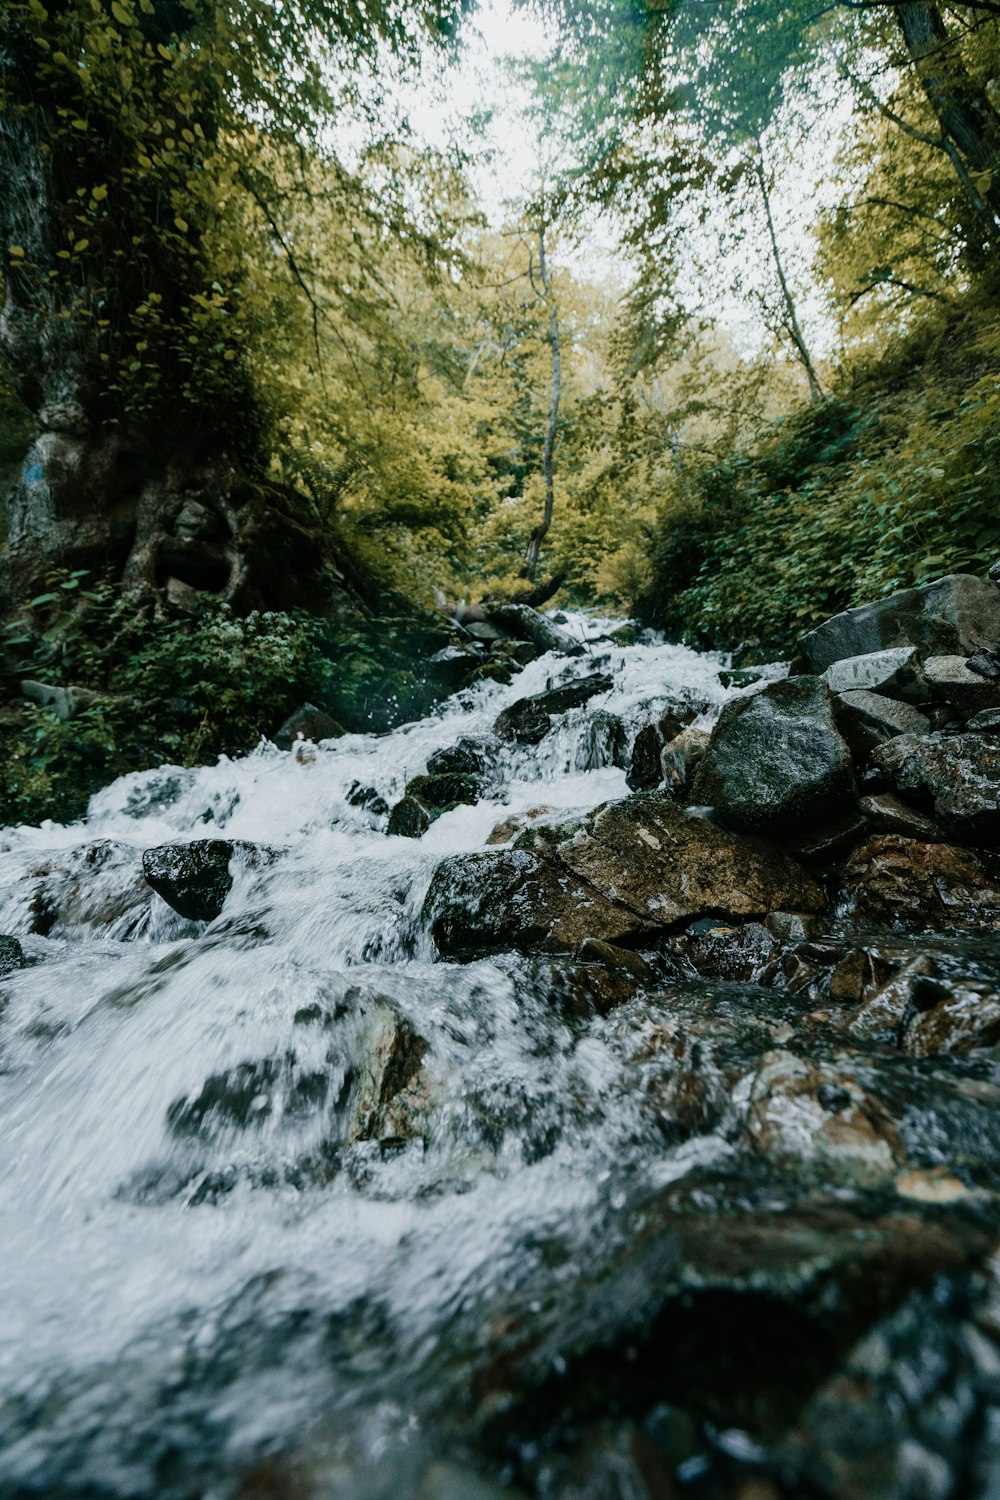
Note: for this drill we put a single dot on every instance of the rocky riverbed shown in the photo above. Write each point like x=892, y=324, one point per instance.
x=589, y=1091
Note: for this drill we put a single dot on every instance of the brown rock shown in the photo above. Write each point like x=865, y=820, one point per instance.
x=898, y=882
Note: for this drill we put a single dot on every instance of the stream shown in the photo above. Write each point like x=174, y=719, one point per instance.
x=230, y=1271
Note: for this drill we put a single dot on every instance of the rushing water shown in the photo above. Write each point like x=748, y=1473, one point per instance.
x=197, y=1269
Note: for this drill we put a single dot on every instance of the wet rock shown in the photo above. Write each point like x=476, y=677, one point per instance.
x=985, y=664
x=858, y=974
x=791, y=926
x=955, y=615
x=950, y=678
x=97, y=886
x=11, y=956
x=591, y=987
x=898, y=882
x=387, y=1092
x=409, y=819
x=367, y=797
x=776, y=763
x=885, y=813
x=867, y=720
x=453, y=666
x=680, y=758
x=739, y=677
x=735, y=954
x=308, y=723
x=507, y=829
x=645, y=772
x=196, y=878
x=966, y=1019
x=440, y=793
x=668, y=867
x=604, y=743
x=896, y=673
x=883, y=1012
x=528, y=625
x=239, y=1097
x=528, y=721
x=469, y=757
x=595, y=951
x=958, y=774
x=986, y=722
x=818, y=1117
x=514, y=899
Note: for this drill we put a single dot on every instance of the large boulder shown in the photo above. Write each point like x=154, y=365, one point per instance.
x=529, y=720
x=469, y=757
x=196, y=878
x=776, y=763
x=308, y=723
x=967, y=691
x=515, y=899
x=668, y=866
x=958, y=774
x=898, y=882
x=951, y=616
x=896, y=673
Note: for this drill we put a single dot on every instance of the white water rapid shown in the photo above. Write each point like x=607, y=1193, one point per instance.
x=197, y=1269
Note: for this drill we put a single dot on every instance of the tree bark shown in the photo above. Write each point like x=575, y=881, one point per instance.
x=962, y=109
x=791, y=319
x=541, y=531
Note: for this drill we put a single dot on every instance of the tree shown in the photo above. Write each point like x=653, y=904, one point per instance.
x=144, y=145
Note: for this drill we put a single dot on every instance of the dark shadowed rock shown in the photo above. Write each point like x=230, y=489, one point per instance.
x=866, y=720
x=951, y=616
x=667, y=866
x=680, y=758
x=885, y=813
x=469, y=757
x=528, y=721
x=776, y=763
x=898, y=882
x=604, y=743
x=440, y=793
x=196, y=878
x=409, y=819
x=308, y=723
x=515, y=899
x=11, y=956
x=986, y=722
x=645, y=772
x=958, y=775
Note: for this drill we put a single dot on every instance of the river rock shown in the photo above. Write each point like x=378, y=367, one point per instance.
x=776, y=763
x=308, y=723
x=955, y=615
x=866, y=720
x=409, y=819
x=885, y=813
x=986, y=722
x=958, y=774
x=680, y=758
x=949, y=678
x=527, y=624
x=196, y=878
x=967, y=1019
x=895, y=673
x=95, y=887
x=667, y=866
x=387, y=1090
x=817, y=1117
x=11, y=956
x=897, y=882
x=516, y=899
x=469, y=757
x=603, y=743
x=645, y=772
x=528, y=721
x=441, y=793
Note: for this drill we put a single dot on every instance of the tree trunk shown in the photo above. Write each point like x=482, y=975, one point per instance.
x=962, y=109
x=172, y=506
x=791, y=319
x=540, y=532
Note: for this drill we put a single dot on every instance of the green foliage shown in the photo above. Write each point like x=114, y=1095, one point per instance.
x=845, y=501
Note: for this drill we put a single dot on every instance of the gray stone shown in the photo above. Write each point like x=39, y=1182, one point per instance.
x=958, y=773
x=308, y=723
x=64, y=702
x=994, y=573
x=196, y=878
x=867, y=720
x=987, y=722
x=776, y=763
x=896, y=673
x=958, y=614
x=949, y=678
x=482, y=630
x=528, y=721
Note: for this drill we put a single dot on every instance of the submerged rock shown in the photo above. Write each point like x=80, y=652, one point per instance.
x=96, y=886
x=955, y=615
x=409, y=819
x=196, y=878
x=898, y=882
x=776, y=763
x=528, y=721
x=645, y=771
x=959, y=775
x=11, y=956
x=469, y=757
